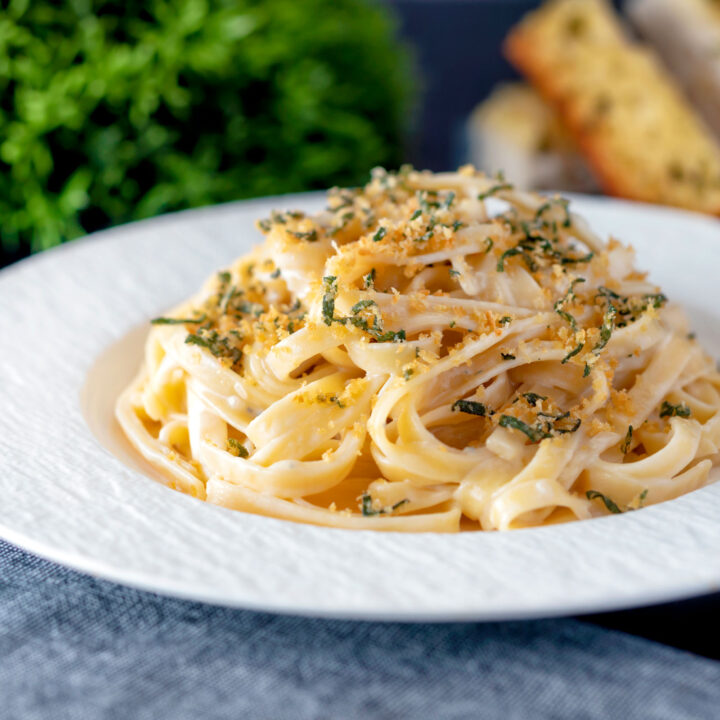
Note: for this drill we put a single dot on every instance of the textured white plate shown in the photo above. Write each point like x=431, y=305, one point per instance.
x=73, y=321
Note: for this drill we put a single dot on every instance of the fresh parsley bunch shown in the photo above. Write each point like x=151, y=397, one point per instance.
x=115, y=111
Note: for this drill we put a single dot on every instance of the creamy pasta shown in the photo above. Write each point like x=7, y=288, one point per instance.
x=432, y=352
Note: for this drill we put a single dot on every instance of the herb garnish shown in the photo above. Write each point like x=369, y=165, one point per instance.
x=375, y=330
x=369, y=279
x=507, y=356
x=533, y=398
x=568, y=297
x=214, y=342
x=609, y=504
x=367, y=508
x=668, y=410
x=361, y=305
x=179, y=321
x=543, y=429
x=562, y=202
x=471, y=407
x=534, y=434
x=532, y=266
x=494, y=189
x=572, y=353
x=504, y=320
x=606, y=329
x=236, y=448
x=574, y=260
x=328, y=301
x=627, y=441
x=380, y=234
x=310, y=235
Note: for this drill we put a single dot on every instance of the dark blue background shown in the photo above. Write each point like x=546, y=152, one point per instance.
x=457, y=45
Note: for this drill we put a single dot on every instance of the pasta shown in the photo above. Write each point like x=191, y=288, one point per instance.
x=432, y=352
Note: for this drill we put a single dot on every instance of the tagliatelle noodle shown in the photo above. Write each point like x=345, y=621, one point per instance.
x=411, y=359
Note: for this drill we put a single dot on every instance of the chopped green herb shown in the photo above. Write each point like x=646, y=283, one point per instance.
x=310, y=235
x=507, y=356
x=416, y=215
x=607, y=293
x=575, y=260
x=609, y=504
x=179, y=321
x=532, y=266
x=658, y=300
x=457, y=225
x=568, y=297
x=452, y=324
x=328, y=301
x=586, y=370
x=471, y=407
x=275, y=273
x=369, y=279
x=361, y=305
x=449, y=200
x=572, y=353
x=562, y=202
x=571, y=427
x=389, y=336
x=534, y=434
x=408, y=373
x=489, y=242
x=606, y=329
x=504, y=320
x=197, y=340
x=494, y=189
x=380, y=234
x=627, y=441
x=368, y=511
x=454, y=273
x=533, y=398
x=236, y=448
x=215, y=343
x=642, y=497
x=566, y=316
x=668, y=410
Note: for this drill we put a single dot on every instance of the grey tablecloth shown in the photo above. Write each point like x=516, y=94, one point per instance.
x=75, y=647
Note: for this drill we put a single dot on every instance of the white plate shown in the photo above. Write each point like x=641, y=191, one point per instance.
x=73, y=323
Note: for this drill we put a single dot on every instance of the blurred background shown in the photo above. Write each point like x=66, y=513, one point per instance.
x=112, y=112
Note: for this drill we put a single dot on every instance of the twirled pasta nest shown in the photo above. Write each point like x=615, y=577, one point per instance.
x=409, y=360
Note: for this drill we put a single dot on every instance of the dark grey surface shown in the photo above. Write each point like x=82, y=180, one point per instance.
x=75, y=647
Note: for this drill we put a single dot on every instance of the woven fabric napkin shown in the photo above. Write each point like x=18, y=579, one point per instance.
x=74, y=647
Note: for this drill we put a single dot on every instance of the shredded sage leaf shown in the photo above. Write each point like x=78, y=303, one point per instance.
x=471, y=407
x=179, y=321
x=609, y=504
x=669, y=410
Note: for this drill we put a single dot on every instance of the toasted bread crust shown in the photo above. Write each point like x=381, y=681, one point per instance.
x=629, y=120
